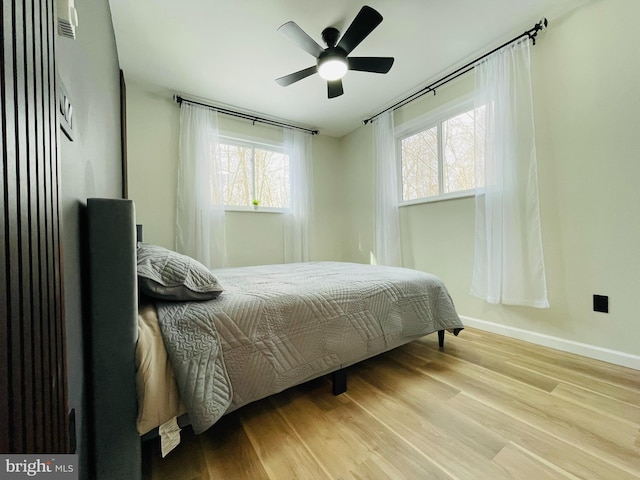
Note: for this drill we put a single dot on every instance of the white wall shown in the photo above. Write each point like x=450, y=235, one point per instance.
x=357, y=151
x=253, y=238
x=586, y=88
x=152, y=161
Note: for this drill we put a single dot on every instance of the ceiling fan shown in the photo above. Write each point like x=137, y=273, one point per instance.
x=333, y=61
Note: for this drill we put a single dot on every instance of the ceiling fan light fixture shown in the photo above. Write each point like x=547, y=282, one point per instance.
x=332, y=68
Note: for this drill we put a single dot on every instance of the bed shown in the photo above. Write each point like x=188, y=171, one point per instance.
x=259, y=331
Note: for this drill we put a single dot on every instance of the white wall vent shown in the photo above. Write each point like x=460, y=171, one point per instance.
x=67, y=18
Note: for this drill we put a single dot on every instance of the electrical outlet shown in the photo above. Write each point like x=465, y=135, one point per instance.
x=601, y=303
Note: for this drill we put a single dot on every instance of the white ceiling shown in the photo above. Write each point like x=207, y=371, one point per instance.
x=229, y=52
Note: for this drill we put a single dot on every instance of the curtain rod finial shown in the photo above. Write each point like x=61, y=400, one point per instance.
x=541, y=25
x=545, y=22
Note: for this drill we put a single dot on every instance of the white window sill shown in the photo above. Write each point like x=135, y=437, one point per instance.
x=439, y=198
x=255, y=210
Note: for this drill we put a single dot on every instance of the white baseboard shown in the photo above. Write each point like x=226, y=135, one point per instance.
x=591, y=351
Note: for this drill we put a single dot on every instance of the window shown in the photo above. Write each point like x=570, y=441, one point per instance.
x=437, y=156
x=253, y=171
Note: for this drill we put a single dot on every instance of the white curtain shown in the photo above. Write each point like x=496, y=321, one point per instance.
x=298, y=221
x=200, y=205
x=508, y=263
x=387, y=222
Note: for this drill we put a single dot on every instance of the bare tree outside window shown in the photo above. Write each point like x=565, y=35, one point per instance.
x=253, y=173
x=236, y=170
x=458, y=151
x=420, y=165
x=272, y=178
x=442, y=159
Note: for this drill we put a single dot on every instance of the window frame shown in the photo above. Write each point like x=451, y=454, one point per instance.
x=228, y=138
x=424, y=122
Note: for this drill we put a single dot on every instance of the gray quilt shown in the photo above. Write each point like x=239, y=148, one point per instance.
x=277, y=326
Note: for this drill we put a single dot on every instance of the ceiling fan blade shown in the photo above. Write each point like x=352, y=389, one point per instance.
x=296, y=76
x=364, y=23
x=370, y=64
x=293, y=32
x=334, y=88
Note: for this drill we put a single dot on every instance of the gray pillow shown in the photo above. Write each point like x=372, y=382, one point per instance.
x=168, y=275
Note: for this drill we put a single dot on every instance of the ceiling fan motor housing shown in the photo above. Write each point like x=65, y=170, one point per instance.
x=330, y=36
x=332, y=63
x=335, y=53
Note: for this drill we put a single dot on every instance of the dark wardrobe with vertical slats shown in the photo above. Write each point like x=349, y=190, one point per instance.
x=33, y=384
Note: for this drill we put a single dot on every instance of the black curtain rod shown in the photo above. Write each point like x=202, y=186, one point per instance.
x=531, y=33
x=245, y=116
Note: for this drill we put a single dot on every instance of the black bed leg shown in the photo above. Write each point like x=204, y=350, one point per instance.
x=441, y=338
x=339, y=379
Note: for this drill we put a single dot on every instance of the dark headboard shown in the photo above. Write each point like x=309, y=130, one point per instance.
x=113, y=332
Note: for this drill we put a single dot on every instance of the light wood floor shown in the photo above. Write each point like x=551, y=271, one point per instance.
x=485, y=407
